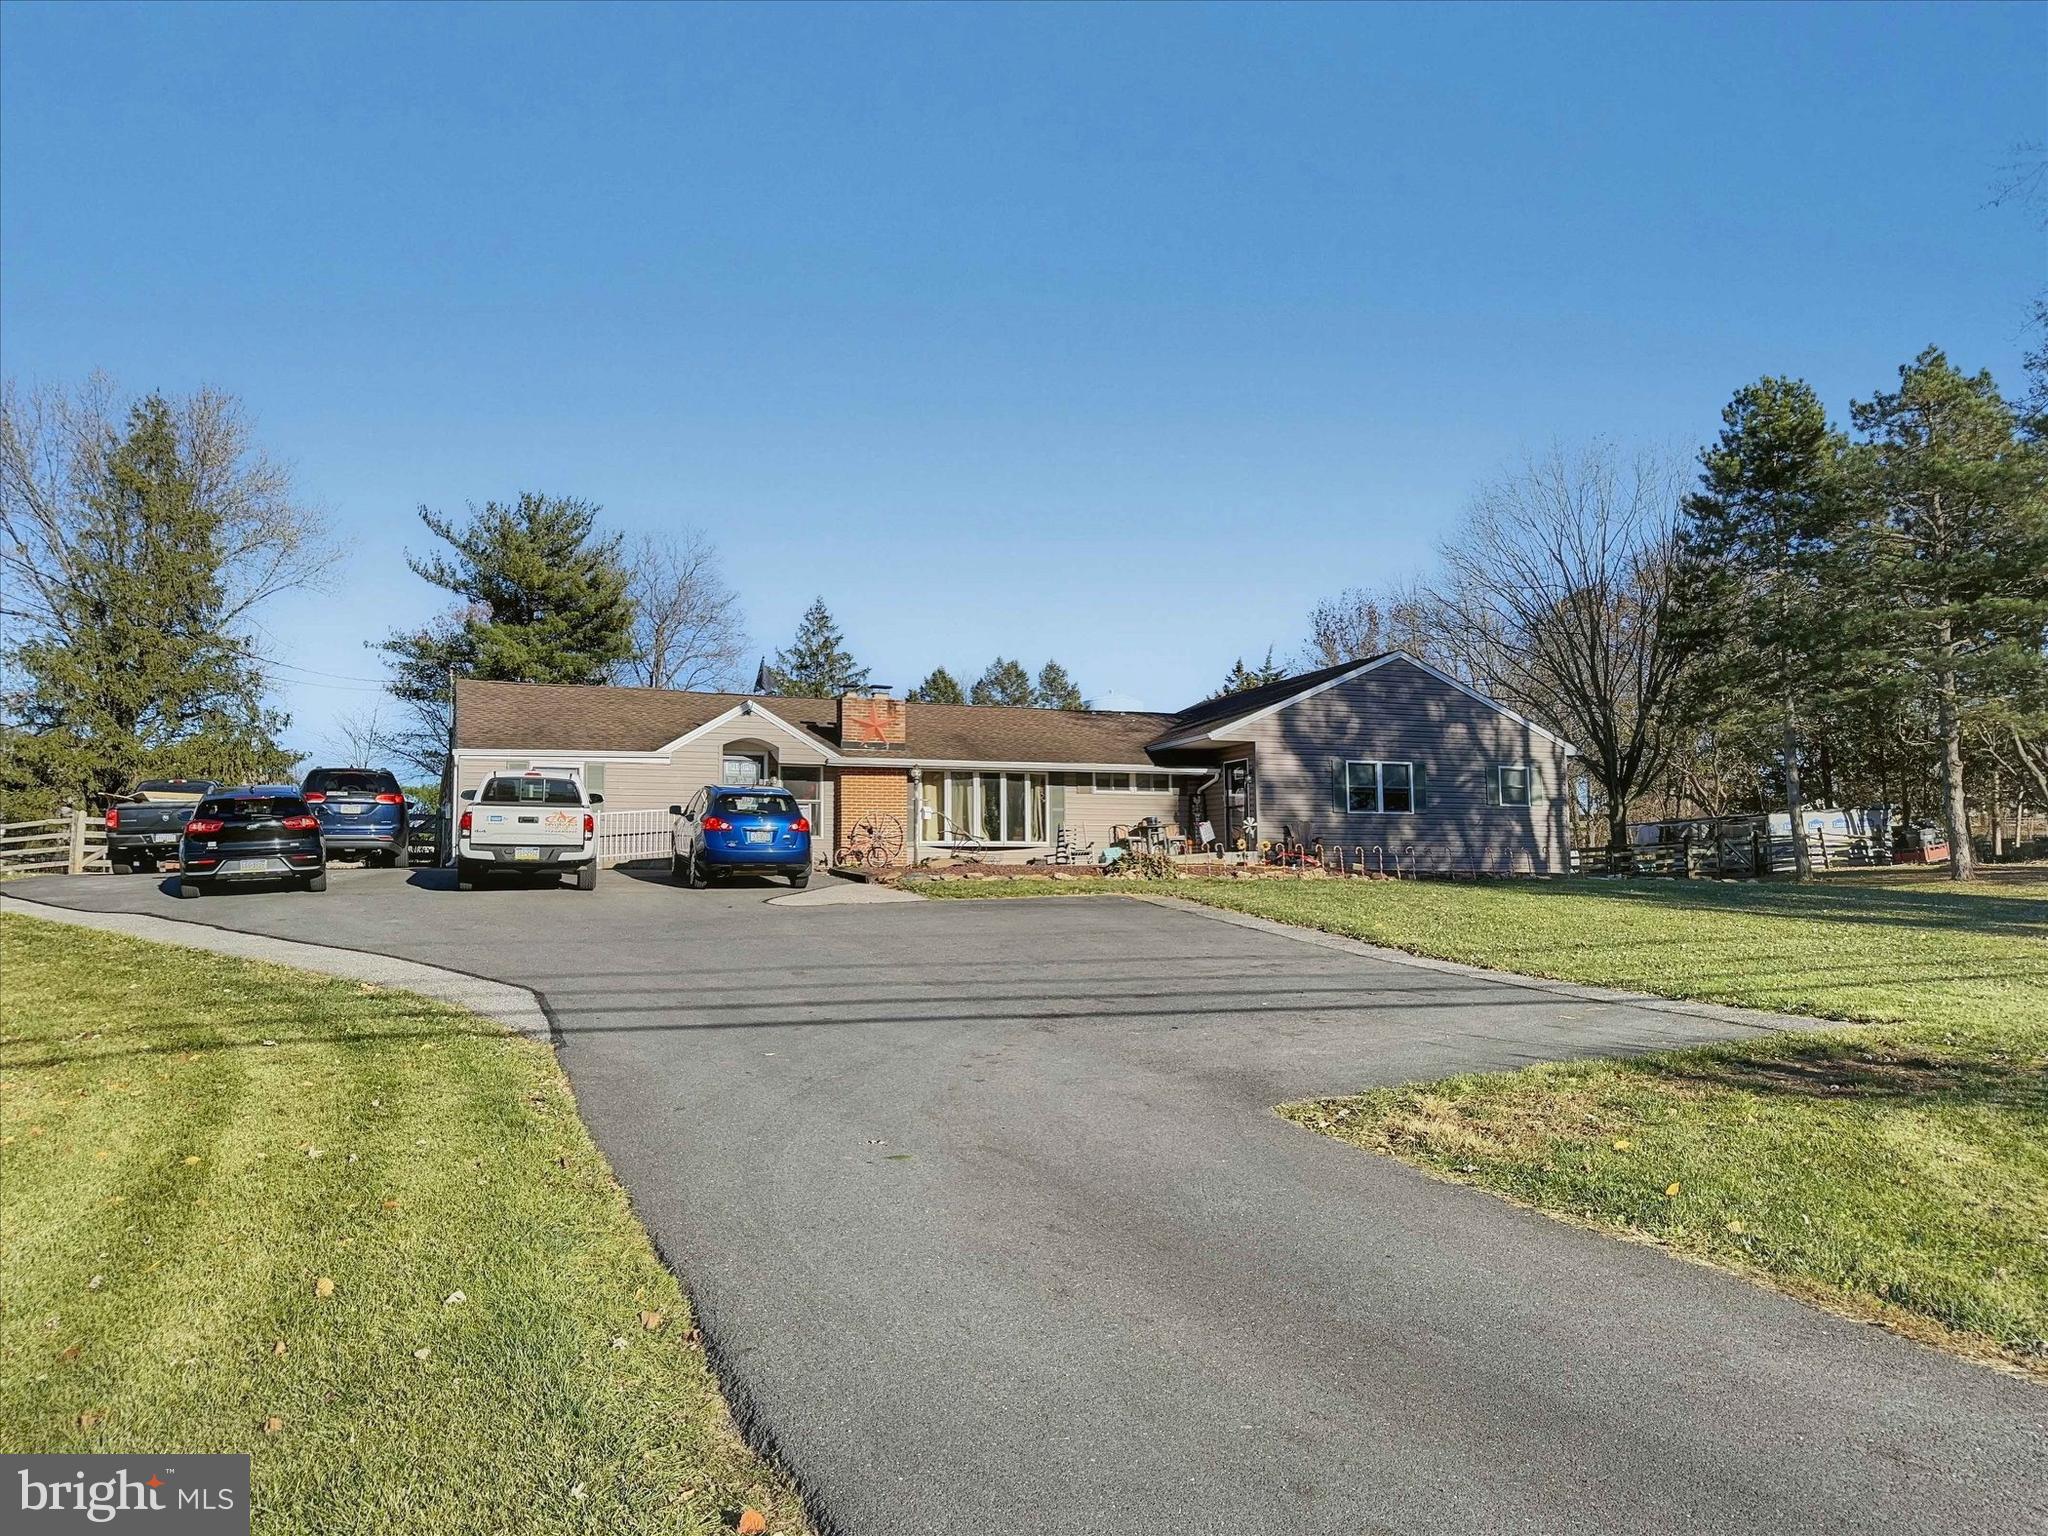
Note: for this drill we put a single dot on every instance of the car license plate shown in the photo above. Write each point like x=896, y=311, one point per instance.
x=350, y=810
x=165, y=839
x=759, y=834
x=237, y=866
x=526, y=855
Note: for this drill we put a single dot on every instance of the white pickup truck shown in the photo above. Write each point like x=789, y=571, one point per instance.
x=535, y=823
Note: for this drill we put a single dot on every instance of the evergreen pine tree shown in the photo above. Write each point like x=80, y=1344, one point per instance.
x=1954, y=519
x=817, y=664
x=1241, y=677
x=543, y=601
x=1236, y=680
x=939, y=687
x=1056, y=690
x=130, y=668
x=1005, y=682
x=1760, y=539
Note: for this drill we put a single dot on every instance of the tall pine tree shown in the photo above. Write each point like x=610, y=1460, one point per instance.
x=127, y=663
x=1056, y=690
x=1954, y=522
x=939, y=687
x=1005, y=682
x=817, y=664
x=1760, y=539
x=543, y=600
x=1241, y=678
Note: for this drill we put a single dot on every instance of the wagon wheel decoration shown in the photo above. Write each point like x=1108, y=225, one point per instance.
x=876, y=843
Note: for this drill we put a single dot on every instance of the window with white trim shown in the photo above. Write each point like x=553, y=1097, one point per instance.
x=1511, y=784
x=989, y=807
x=744, y=768
x=1132, y=783
x=1374, y=788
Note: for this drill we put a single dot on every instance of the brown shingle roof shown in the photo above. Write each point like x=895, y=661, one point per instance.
x=566, y=717
x=1233, y=706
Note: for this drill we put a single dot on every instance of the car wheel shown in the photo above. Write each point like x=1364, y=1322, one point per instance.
x=120, y=867
x=700, y=872
x=317, y=882
x=675, y=867
x=398, y=858
x=586, y=877
x=801, y=879
x=185, y=890
x=465, y=877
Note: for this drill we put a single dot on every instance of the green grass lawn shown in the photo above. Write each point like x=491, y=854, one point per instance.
x=358, y=1234
x=1897, y=1171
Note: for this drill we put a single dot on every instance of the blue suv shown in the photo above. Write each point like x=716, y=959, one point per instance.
x=361, y=810
x=740, y=829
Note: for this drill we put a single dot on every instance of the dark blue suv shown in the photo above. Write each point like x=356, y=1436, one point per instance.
x=741, y=829
x=361, y=810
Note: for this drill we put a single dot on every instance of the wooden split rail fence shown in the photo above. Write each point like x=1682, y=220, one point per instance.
x=74, y=844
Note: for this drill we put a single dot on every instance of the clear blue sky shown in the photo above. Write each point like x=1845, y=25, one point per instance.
x=1118, y=335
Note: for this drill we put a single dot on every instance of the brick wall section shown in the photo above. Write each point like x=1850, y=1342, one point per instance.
x=872, y=793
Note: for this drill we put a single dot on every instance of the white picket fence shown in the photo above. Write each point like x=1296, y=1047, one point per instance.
x=624, y=836
x=627, y=835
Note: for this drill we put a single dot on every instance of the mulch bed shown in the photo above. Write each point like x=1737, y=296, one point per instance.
x=976, y=869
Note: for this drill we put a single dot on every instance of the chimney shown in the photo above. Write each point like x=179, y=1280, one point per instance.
x=870, y=719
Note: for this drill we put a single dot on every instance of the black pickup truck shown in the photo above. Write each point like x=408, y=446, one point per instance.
x=144, y=825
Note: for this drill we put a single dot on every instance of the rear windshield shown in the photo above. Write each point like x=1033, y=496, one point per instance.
x=174, y=787
x=251, y=808
x=530, y=791
x=756, y=805
x=351, y=781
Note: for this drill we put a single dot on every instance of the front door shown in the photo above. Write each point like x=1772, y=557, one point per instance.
x=1240, y=804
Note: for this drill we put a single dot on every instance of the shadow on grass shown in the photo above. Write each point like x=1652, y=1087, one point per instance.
x=1835, y=902
x=1849, y=1070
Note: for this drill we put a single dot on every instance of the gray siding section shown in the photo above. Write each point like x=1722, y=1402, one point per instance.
x=1400, y=713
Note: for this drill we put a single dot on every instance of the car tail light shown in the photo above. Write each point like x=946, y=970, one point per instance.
x=391, y=799
x=302, y=824
x=204, y=828
x=464, y=828
x=801, y=824
x=315, y=798
x=113, y=818
x=589, y=827
x=716, y=824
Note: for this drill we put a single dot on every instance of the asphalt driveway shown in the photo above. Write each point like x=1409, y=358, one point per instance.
x=990, y=1224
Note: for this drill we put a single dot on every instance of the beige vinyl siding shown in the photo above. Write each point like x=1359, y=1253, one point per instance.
x=1399, y=713
x=640, y=784
x=1091, y=813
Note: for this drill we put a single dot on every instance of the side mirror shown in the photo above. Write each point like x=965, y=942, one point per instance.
x=597, y=799
x=675, y=810
x=469, y=794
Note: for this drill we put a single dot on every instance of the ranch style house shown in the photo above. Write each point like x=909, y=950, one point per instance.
x=1385, y=753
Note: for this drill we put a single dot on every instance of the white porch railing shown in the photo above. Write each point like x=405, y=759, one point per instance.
x=650, y=834
x=626, y=835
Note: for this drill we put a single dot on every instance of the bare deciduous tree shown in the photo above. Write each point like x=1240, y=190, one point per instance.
x=361, y=736
x=54, y=445
x=688, y=632
x=1358, y=623
x=1553, y=597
